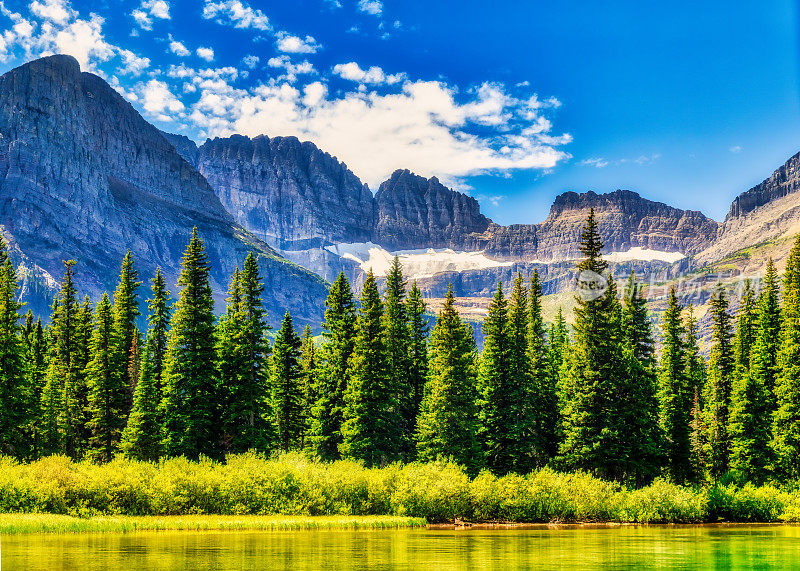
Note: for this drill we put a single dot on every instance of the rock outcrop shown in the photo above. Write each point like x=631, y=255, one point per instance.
x=761, y=222
x=83, y=176
x=288, y=193
x=415, y=212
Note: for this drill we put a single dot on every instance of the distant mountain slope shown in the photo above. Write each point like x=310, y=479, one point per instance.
x=84, y=176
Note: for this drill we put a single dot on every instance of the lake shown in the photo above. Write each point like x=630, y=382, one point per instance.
x=579, y=548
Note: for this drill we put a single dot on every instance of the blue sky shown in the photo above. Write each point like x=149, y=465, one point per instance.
x=514, y=102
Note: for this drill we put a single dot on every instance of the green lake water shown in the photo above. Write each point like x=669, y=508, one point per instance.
x=577, y=548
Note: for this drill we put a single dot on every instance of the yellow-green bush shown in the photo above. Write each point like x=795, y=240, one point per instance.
x=440, y=491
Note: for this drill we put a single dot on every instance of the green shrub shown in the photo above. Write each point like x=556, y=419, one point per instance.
x=438, y=491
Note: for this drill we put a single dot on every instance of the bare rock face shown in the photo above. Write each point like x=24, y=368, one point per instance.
x=415, y=212
x=289, y=194
x=762, y=220
x=83, y=176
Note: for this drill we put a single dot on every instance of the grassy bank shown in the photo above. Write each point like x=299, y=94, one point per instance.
x=294, y=486
x=57, y=523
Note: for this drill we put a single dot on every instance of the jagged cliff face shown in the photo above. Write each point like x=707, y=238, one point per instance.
x=288, y=193
x=762, y=220
x=84, y=177
x=415, y=212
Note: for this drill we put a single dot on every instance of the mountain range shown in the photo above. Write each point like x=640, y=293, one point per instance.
x=83, y=176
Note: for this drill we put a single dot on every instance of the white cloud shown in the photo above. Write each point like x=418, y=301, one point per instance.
x=235, y=13
x=251, y=61
x=596, y=162
x=292, y=70
x=205, y=53
x=159, y=102
x=132, y=64
x=84, y=40
x=422, y=126
x=149, y=9
x=178, y=48
x=57, y=11
x=735, y=149
x=288, y=43
x=374, y=75
x=333, y=4
x=373, y=7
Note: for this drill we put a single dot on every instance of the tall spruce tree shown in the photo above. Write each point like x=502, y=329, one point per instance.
x=540, y=411
x=397, y=342
x=675, y=394
x=696, y=376
x=158, y=326
x=417, y=356
x=717, y=394
x=638, y=400
x=190, y=390
x=141, y=439
x=35, y=371
x=786, y=419
x=108, y=393
x=287, y=387
x=497, y=411
x=337, y=349
x=745, y=331
x=308, y=362
x=557, y=342
x=14, y=391
x=593, y=433
x=373, y=427
x=126, y=334
x=448, y=420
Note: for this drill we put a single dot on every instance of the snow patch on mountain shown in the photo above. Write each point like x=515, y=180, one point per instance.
x=637, y=253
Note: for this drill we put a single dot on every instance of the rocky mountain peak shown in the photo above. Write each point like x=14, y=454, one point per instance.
x=784, y=181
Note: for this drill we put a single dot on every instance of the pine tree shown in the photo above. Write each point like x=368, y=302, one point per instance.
x=786, y=419
x=108, y=393
x=14, y=393
x=397, y=343
x=717, y=394
x=696, y=377
x=541, y=413
x=308, y=362
x=287, y=387
x=638, y=400
x=557, y=342
x=141, y=439
x=190, y=391
x=63, y=409
x=593, y=434
x=675, y=394
x=418, y=357
x=764, y=354
x=373, y=425
x=745, y=331
x=337, y=349
x=126, y=335
x=158, y=324
x=497, y=409
x=519, y=375
x=448, y=419
x=36, y=369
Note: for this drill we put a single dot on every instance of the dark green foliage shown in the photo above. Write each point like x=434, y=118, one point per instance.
x=15, y=393
x=786, y=419
x=141, y=439
x=397, y=336
x=308, y=362
x=593, y=434
x=108, y=393
x=286, y=381
x=126, y=335
x=337, y=349
x=373, y=425
x=638, y=401
x=539, y=413
x=751, y=396
x=158, y=323
x=190, y=392
x=717, y=394
x=675, y=394
x=448, y=421
x=696, y=376
x=35, y=371
x=417, y=355
x=498, y=401
x=557, y=343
